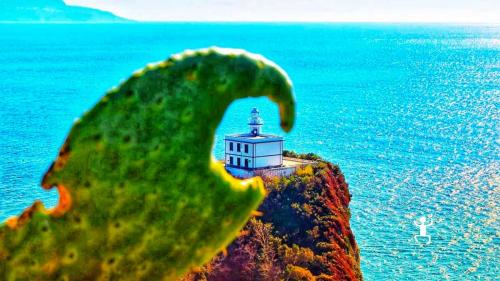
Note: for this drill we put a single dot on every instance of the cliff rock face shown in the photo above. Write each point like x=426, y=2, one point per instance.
x=302, y=233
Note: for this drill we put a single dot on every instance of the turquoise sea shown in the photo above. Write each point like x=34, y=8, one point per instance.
x=409, y=112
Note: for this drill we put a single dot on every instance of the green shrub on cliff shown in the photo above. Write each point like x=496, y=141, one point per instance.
x=305, y=156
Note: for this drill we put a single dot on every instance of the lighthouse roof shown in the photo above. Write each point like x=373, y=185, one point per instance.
x=254, y=136
x=247, y=137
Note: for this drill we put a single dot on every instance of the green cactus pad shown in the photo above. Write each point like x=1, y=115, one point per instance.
x=141, y=197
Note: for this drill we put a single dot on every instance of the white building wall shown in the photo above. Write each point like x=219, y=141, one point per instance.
x=266, y=154
x=262, y=162
x=273, y=172
x=240, y=173
x=268, y=148
x=242, y=150
x=251, y=163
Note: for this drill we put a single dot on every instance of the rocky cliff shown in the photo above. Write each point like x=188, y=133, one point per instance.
x=301, y=232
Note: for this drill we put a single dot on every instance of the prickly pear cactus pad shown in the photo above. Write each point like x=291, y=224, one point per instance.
x=140, y=196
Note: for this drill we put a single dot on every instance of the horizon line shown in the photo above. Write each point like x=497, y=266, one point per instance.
x=132, y=21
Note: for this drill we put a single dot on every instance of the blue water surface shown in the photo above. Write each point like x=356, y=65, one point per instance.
x=409, y=112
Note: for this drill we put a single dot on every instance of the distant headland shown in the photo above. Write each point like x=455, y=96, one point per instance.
x=51, y=11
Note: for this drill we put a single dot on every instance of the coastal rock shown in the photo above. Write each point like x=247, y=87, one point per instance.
x=303, y=232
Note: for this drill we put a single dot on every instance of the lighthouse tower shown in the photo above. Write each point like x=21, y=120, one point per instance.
x=255, y=122
x=247, y=152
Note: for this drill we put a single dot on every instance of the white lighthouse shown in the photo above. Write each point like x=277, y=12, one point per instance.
x=255, y=122
x=248, y=152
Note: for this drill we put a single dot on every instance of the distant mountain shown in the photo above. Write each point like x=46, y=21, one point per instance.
x=51, y=11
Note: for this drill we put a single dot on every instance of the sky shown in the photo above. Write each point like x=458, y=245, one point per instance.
x=457, y=11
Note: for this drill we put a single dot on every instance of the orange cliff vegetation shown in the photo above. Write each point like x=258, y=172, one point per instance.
x=302, y=234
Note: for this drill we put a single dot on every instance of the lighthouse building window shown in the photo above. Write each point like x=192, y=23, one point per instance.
x=239, y=161
x=230, y=146
x=246, y=148
x=231, y=160
x=238, y=147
